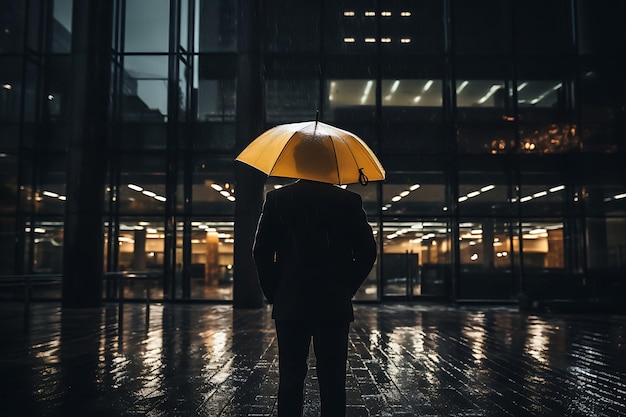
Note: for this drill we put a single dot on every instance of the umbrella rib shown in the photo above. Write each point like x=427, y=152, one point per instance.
x=336, y=160
x=282, y=151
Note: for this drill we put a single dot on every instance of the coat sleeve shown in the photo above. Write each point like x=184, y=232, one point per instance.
x=265, y=246
x=363, y=246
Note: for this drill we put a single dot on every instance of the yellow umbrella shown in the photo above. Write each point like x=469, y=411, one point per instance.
x=314, y=151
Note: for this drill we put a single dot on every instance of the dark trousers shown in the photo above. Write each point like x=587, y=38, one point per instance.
x=330, y=344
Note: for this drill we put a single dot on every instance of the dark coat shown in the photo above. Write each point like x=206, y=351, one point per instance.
x=313, y=249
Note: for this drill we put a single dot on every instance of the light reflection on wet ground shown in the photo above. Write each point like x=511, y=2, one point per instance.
x=405, y=360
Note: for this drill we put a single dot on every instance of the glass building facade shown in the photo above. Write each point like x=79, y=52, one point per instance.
x=500, y=124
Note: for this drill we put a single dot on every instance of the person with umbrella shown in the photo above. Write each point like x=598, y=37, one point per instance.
x=313, y=249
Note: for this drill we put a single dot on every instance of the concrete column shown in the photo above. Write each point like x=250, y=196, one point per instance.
x=90, y=80
x=250, y=123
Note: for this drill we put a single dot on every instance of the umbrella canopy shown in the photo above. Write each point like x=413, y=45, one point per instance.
x=313, y=151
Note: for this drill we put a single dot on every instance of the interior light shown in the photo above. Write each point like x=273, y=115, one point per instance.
x=487, y=188
x=521, y=86
x=462, y=86
x=135, y=187
x=348, y=40
x=405, y=14
x=404, y=193
x=525, y=199
x=473, y=194
x=7, y=86
x=462, y=199
x=417, y=99
x=414, y=187
x=217, y=187
x=491, y=91
x=370, y=13
x=619, y=196
x=427, y=86
x=386, y=14
x=405, y=40
x=349, y=13
x=370, y=40
x=148, y=193
x=385, y=40
x=395, y=85
x=50, y=194
x=557, y=188
x=540, y=194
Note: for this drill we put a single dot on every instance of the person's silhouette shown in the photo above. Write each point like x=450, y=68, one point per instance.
x=313, y=249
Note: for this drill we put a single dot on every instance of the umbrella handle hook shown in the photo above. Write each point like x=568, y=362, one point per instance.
x=362, y=177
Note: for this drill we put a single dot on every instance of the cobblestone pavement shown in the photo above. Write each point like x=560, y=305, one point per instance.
x=404, y=360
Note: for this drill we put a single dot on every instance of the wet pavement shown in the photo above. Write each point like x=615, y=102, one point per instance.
x=404, y=360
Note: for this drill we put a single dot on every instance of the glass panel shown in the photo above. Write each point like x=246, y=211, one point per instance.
x=350, y=28
x=10, y=137
x=281, y=18
x=57, y=103
x=184, y=90
x=8, y=179
x=543, y=112
x=482, y=26
x=416, y=253
x=350, y=100
x=62, y=26
x=543, y=245
x=50, y=197
x=486, y=245
x=11, y=21
x=10, y=90
x=410, y=193
x=216, y=25
x=31, y=92
x=414, y=27
x=7, y=244
x=211, y=269
x=213, y=189
x=47, y=239
x=142, y=184
x=479, y=94
x=147, y=25
x=541, y=194
x=602, y=107
x=217, y=100
x=141, y=136
x=486, y=252
x=399, y=94
x=600, y=28
x=145, y=88
x=542, y=27
x=605, y=200
x=183, y=33
x=483, y=125
x=606, y=243
x=483, y=192
x=141, y=255
x=288, y=101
